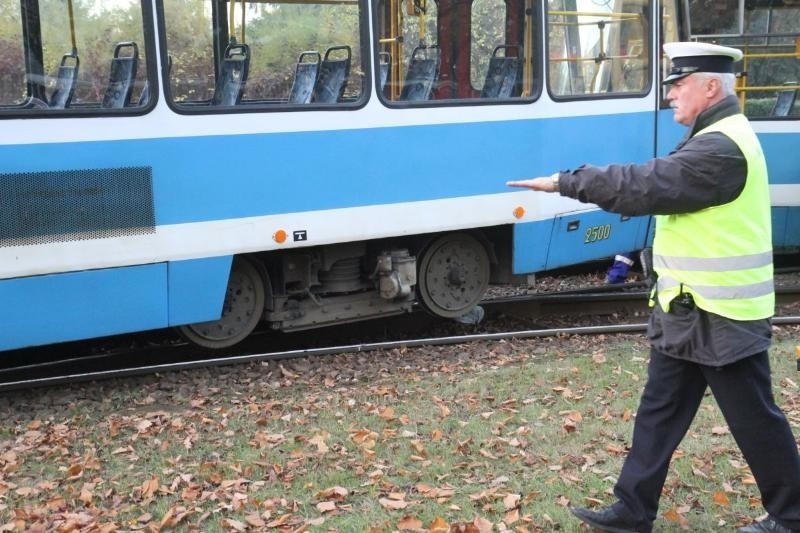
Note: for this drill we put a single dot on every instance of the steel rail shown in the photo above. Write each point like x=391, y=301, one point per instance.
x=358, y=348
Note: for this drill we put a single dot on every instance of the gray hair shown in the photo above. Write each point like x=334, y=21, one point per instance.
x=727, y=82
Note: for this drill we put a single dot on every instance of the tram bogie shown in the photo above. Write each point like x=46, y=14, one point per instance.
x=337, y=284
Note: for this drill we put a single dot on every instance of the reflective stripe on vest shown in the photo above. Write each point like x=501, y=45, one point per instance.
x=722, y=255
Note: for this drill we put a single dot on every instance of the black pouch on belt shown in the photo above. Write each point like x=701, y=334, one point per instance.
x=683, y=304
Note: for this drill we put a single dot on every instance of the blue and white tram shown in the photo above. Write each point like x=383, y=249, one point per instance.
x=212, y=164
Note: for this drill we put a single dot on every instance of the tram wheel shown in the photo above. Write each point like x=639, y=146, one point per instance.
x=241, y=312
x=453, y=274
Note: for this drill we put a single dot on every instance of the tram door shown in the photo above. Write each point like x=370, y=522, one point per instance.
x=599, y=52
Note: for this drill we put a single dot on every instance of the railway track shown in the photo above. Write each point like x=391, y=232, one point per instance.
x=174, y=356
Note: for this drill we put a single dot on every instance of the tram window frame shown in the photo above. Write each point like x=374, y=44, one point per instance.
x=18, y=36
x=249, y=106
x=647, y=40
x=146, y=50
x=681, y=34
x=536, y=81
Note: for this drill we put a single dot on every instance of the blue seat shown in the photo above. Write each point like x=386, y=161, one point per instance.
x=422, y=73
x=232, y=75
x=305, y=77
x=65, y=83
x=504, y=75
x=122, y=76
x=333, y=74
x=784, y=103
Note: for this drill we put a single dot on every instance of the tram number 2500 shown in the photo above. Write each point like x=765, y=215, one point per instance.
x=597, y=233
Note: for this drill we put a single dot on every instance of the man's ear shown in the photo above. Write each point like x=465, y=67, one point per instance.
x=713, y=87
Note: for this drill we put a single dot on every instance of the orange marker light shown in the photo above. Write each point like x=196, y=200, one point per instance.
x=279, y=236
x=519, y=212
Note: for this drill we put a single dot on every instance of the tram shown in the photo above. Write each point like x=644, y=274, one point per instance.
x=212, y=165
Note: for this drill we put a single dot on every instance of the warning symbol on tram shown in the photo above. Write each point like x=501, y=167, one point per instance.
x=300, y=235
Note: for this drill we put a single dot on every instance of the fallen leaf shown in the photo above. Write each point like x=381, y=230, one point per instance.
x=393, y=504
x=326, y=507
x=409, y=522
x=149, y=487
x=233, y=524
x=720, y=498
x=439, y=525
x=319, y=442
x=511, y=501
x=483, y=525
x=333, y=493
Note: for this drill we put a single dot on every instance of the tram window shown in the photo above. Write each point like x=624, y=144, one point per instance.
x=423, y=41
x=767, y=33
x=249, y=50
x=71, y=63
x=12, y=64
x=598, y=47
x=488, y=31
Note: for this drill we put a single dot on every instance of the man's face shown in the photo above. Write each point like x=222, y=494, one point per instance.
x=688, y=97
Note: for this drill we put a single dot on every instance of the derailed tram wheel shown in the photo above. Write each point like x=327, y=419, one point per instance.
x=241, y=312
x=453, y=274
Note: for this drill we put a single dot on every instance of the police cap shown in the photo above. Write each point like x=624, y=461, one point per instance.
x=690, y=57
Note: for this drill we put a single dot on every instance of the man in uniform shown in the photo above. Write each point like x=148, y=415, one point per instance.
x=714, y=295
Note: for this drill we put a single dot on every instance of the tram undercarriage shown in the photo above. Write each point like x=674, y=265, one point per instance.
x=447, y=274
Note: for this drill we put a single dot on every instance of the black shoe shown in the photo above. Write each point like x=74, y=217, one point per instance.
x=605, y=520
x=765, y=526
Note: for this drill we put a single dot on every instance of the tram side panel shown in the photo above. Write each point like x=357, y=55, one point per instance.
x=783, y=165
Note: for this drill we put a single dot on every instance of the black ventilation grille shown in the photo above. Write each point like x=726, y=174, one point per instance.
x=73, y=205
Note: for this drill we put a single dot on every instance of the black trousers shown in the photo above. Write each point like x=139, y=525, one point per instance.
x=671, y=397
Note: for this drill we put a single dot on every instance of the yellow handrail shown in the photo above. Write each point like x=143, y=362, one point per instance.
x=232, y=21
x=72, y=28
x=612, y=15
x=527, y=51
x=768, y=88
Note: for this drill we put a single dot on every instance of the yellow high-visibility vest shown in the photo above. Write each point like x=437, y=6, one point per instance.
x=722, y=255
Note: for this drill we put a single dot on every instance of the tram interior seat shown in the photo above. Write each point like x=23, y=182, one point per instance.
x=784, y=103
x=35, y=103
x=65, y=83
x=122, y=76
x=422, y=73
x=232, y=76
x=305, y=77
x=504, y=75
x=333, y=74
x=385, y=60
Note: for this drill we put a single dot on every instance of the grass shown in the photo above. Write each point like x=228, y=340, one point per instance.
x=510, y=438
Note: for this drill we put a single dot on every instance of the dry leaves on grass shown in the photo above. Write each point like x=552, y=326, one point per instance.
x=426, y=443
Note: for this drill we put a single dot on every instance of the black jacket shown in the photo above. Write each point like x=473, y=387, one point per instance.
x=701, y=172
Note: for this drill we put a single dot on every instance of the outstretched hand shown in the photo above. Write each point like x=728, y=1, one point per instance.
x=544, y=184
